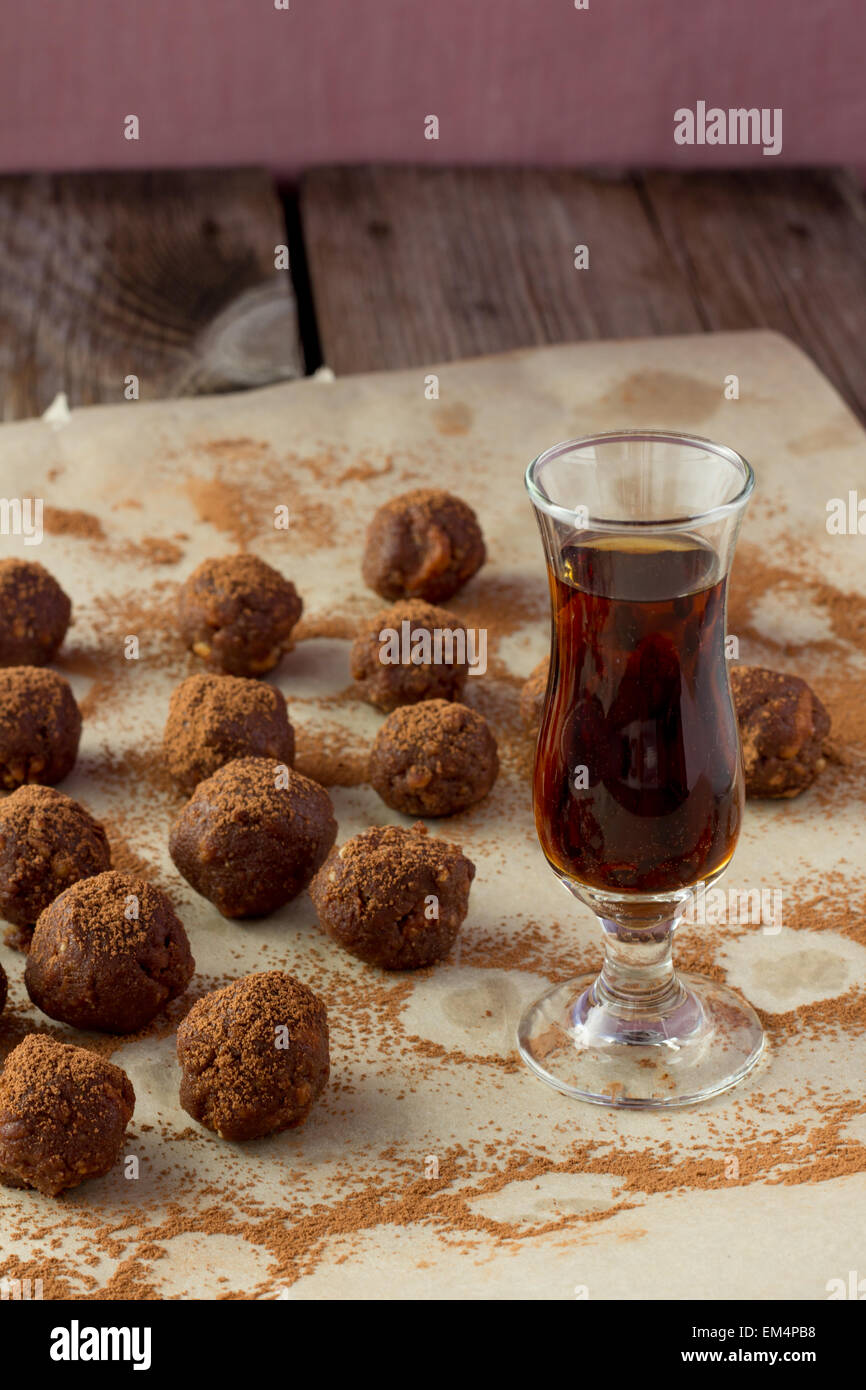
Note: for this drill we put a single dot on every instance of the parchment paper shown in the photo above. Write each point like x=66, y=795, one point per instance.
x=417, y=1063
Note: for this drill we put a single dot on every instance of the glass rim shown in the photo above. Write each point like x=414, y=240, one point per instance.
x=566, y=514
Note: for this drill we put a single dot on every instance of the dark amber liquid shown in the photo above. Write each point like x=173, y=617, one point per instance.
x=639, y=697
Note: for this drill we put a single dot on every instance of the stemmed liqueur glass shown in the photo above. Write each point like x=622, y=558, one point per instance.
x=638, y=785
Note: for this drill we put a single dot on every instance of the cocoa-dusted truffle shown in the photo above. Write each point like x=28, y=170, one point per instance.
x=108, y=954
x=237, y=614
x=214, y=719
x=423, y=544
x=40, y=726
x=532, y=696
x=394, y=897
x=254, y=1056
x=433, y=759
x=47, y=843
x=412, y=651
x=63, y=1113
x=251, y=836
x=34, y=613
x=783, y=725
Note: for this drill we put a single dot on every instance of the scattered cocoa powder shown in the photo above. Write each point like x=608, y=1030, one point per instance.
x=59, y=521
x=378, y=1053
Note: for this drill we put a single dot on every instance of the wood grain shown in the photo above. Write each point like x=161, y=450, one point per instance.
x=785, y=251
x=410, y=266
x=166, y=276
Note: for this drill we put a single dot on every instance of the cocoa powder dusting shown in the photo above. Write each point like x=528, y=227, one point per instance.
x=353, y=1176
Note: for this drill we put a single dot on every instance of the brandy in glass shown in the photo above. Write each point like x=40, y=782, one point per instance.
x=638, y=787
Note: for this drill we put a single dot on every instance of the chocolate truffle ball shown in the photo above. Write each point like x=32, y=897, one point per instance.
x=783, y=725
x=251, y=836
x=63, y=1113
x=237, y=614
x=47, y=843
x=394, y=897
x=532, y=696
x=4, y=989
x=214, y=719
x=34, y=614
x=423, y=544
x=410, y=652
x=40, y=726
x=108, y=954
x=254, y=1056
x=433, y=759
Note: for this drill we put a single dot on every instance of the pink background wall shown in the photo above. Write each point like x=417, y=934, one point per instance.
x=236, y=81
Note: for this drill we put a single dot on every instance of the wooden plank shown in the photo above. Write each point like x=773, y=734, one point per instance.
x=167, y=276
x=410, y=265
x=785, y=251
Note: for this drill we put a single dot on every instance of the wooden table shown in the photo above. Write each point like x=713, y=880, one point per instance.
x=177, y=279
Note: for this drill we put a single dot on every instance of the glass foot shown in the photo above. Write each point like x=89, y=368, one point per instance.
x=580, y=1041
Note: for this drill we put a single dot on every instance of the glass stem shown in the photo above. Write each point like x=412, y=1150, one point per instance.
x=638, y=975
